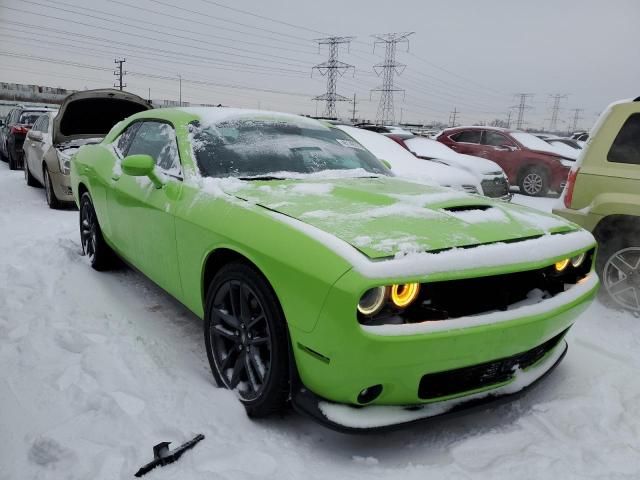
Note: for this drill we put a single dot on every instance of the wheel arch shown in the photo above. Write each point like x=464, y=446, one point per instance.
x=529, y=164
x=218, y=258
x=618, y=224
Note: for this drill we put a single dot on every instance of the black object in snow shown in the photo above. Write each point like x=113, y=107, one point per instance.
x=162, y=456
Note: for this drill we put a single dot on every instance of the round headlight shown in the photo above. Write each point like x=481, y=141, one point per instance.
x=403, y=295
x=372, y=301
x=562, y=264
x=578, y=259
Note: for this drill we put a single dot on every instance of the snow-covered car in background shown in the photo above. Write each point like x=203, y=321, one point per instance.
x=492, y=178
x=84, y=118
x=404, y=164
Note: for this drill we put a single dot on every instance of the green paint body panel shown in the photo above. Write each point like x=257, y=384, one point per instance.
x=169, y=233
x=604, y=188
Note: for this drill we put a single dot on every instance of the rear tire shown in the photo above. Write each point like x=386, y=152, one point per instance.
x=534, y=181
x=101, y=256
x=618, y=266
x=14, y=160
x=246, y=339
x=30, y=179
x=49, y=192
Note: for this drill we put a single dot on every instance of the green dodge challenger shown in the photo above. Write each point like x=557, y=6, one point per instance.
x=323, y=280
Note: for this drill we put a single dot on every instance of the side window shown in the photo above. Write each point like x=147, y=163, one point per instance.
x=467, y=136
x=36, y=126
x=13, y=116
x=42, y=124
x=157, y=139
x=495, y=139
x=626, y=146
x=124, y=140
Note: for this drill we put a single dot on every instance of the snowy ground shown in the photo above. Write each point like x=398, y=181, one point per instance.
x=99, y=367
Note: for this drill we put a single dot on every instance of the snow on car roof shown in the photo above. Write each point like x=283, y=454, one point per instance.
x=215, y=115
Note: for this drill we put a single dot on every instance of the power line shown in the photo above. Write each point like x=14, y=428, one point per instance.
x=332, y=68
x=119, y=73
x=387, y=70
x=453, y=117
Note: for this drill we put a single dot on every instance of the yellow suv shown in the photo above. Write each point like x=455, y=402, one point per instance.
x=603, y=195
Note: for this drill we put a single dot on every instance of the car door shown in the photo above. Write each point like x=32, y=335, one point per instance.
x=142, y=216
x=34, y=148
x=498, y=147
x=466, y=141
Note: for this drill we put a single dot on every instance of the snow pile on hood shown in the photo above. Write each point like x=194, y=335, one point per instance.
x=534, y=143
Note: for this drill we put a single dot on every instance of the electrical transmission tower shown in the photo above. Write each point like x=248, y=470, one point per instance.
x=555, y=109
x=332, y=68
x=509, y=118
x=453, y=116
x=576, y=118
x=388, y=69
x=119, y=73
x=522, y=106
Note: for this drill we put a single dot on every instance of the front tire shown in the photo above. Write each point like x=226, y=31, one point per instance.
x=100, y=254
x=618, y=266
x=246, y=339
x=49, y=192
x=534, y=181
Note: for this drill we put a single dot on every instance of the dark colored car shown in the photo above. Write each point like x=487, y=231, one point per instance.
x=529, y=162
x=13, y=132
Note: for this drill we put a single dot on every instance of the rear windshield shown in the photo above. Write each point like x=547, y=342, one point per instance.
x=29, y=118
x=246, y=148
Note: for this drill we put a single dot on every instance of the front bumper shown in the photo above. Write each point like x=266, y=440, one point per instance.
x=496, y=187
x=61, y=186
x=340, y=359
x=350, y=419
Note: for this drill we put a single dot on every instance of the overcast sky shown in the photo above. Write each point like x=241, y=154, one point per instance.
x=469, y=55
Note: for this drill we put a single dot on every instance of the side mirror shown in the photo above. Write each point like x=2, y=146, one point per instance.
x=34, y=135
x=141, y=166
x=385, y=163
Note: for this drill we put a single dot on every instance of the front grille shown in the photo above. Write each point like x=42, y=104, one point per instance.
x=451, y=382
x=450, y=299
x=498, y=187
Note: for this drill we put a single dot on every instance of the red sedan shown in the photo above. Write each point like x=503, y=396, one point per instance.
x=529, y=162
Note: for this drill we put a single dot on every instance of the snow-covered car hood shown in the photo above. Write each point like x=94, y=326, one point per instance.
x=92, y=113
x=432, y=149
x=405, y=164
x=471, y=163
x=387, y=216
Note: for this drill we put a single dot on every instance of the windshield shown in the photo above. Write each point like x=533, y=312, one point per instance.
x=423, y=147
x=249, y=148
x=534, y=143
x=29, y=118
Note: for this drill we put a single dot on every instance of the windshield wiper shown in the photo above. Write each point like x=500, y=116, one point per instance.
x=261, y=177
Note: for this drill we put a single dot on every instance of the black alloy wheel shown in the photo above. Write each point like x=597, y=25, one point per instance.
x=93, y=245
x=246, y=340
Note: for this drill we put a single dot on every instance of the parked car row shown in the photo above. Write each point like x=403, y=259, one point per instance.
x=43, y=141
x=13, y=131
